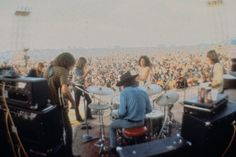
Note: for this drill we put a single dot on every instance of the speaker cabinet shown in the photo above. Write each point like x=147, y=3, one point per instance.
x=210, y=135
x=169, y=147
x=40, y=131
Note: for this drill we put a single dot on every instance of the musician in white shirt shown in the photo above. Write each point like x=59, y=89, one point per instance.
x=145, y=71
x=217, y=72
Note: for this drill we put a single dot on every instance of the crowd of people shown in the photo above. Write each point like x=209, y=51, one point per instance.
x=127, y=72
x=170, y=70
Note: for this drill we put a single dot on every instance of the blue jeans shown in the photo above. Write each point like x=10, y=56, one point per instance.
x=121, y=123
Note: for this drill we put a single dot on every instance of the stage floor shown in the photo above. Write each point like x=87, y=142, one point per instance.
x=89, y=149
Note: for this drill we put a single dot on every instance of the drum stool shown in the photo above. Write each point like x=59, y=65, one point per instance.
x=134, y=135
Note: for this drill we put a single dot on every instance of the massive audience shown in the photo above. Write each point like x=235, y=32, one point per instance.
x=169, y=69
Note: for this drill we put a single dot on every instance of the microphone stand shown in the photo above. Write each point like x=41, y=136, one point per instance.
x=86, y=137
x=185, y=84
x=162, y=92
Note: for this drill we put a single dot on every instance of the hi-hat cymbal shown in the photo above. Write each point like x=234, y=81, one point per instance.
x=99, y=90
x=169, y=98
x=98, y=106
x=152, y=89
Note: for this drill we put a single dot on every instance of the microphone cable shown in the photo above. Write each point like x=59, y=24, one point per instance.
x=14, y=129
x=231, y=140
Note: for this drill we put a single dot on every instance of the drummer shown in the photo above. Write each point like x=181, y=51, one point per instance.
x=134, y=104
x=145, y=71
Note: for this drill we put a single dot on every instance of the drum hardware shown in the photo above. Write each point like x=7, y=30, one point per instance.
x=101, y=142
x=167, y=101
x=86, y=137
x=114, y=114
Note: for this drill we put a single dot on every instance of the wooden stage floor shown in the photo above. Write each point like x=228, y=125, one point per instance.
x=89, y=149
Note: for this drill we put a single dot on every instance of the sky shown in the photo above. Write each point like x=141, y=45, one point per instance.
x=56, y=24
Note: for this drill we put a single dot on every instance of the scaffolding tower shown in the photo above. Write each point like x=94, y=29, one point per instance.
x=21, y=35
x=217, y=21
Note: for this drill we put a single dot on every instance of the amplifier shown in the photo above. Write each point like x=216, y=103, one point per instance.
x=41, y=131
x=26, y=92
x=192, y=106
x=169, y=147
x=229, y=81
x=210, y=135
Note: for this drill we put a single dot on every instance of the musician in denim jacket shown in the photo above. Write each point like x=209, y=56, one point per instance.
x=134, y=104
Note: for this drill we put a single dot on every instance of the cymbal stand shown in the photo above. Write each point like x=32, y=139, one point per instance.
x=169, y=122
x=166, y=128
x=185, y=83
x=85, y=137
x=101, y=142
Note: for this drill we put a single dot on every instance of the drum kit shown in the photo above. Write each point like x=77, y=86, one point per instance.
x=156, y=121
x=159, y=122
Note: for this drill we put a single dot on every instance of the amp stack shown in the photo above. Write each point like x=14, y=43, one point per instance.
x=37, y=122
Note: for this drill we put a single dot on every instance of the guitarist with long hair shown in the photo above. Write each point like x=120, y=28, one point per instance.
x=57, y=75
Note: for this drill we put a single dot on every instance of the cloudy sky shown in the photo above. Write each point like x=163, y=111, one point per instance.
x=111, y=23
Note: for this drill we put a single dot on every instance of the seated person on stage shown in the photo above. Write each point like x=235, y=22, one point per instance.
x=134, y=104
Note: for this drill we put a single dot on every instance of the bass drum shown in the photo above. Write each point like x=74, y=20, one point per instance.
x=154, y=121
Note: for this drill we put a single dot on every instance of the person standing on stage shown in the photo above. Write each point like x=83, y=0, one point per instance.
x=79, y=77
x=134, y=104
x=145, y=70
x=57, y=76
x=37, y=71
x=217, y=72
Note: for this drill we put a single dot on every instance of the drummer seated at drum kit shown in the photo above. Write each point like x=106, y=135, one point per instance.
x=134, y=104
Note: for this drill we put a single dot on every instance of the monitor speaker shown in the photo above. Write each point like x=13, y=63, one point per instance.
x=210, y=135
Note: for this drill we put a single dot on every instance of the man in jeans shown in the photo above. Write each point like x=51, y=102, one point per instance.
x=134, y=104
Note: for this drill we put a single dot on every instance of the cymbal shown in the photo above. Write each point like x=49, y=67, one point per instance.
x=169, y=98
x=98, y=106
x=152, y=89
x=99, y=90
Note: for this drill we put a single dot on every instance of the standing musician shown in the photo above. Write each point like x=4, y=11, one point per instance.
x=134, y=104
x=79, y=75
x=145, y=70
x=217, y=72
x=57, y=75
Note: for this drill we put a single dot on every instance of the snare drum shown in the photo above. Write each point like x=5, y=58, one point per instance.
x=154, y=121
